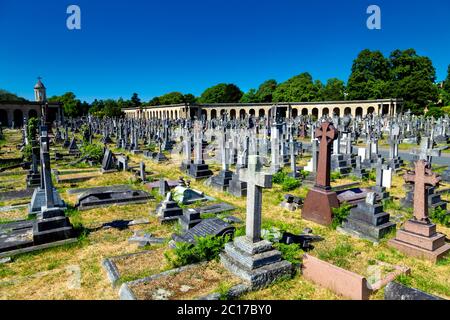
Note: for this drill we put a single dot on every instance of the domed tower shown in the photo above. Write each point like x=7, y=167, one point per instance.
x=39, y=91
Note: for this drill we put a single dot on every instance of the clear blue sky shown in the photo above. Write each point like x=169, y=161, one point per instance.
x=157, y=46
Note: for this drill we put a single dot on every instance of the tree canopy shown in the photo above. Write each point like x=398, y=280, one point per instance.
x=413, y=79
x=334, y=90
x=72, y=106
x=221, y=93
x=369, y=76
x=299, y=88
x=8, y=96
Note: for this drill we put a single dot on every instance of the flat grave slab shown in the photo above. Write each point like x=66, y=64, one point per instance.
x=214, y=208
x=17, y=194
x=186, y=283
x=397, y=291
x=352, y=196
x=17, y=237
x=120, y=187
x=214, y=226
x=90, y=200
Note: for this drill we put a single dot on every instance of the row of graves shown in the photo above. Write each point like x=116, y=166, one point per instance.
x=250, y=152
x=247, y=147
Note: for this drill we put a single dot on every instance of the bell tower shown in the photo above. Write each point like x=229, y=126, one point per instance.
x=39, y=91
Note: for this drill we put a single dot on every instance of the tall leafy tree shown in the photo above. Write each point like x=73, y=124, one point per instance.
x=171, y=98
x=446, y=89
x=250, y=97
x=333, y=90
x=190, y=98
x=266, y=90
x=370, y=76
x=135, y=101
x=413, y=79
x=221, y=93
x=71, y=105
x=8, y=96
x=300, y=88
x=112, y=108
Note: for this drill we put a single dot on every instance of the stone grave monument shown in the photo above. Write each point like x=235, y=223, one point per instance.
x=321, y=199
x=418, y=237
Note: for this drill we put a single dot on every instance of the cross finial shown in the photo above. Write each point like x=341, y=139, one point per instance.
x=422, y=177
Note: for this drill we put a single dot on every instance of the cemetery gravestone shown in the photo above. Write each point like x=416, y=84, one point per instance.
x=320, y=199
x=418, y=237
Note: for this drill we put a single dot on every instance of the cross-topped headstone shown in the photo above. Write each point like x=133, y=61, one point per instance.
x=326, y=134
x=256, y=181
x=421, y=177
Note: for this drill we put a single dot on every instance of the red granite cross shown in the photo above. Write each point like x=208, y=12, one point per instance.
x=421, y=178
x=326, y=133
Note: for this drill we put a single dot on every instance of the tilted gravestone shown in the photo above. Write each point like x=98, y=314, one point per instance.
x=207, y=227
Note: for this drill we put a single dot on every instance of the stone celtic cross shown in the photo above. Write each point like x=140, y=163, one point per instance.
x=256, y=181
x=421, y=178
x=326, y=134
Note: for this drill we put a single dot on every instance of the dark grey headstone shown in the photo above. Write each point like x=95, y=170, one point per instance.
x=397, y=291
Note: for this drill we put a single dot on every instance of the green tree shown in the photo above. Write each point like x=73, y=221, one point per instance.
x=413, y=79
x=71, y=105
x=171, y=98
x=266, y=90
x=190, y=98
x=154, y=102
x=112, y=108
x=250, y=97
x=221, y=93
x=299, y=88
x=435, y=112
x=370, y=76
x=135, y=101
x=334, y=90
x=446, y=89
x=8, y=96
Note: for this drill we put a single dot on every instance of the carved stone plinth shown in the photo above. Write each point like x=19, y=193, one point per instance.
x=318, y=205
x=257, y=263
x=420, y=240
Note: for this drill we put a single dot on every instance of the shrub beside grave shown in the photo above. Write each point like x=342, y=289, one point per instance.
x=440, y=216
x=340, y=214
x=205, y=249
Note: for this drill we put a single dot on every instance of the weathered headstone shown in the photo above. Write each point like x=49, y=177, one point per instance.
x=249, y=257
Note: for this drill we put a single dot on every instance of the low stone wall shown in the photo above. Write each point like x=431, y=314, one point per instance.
x=343, y=282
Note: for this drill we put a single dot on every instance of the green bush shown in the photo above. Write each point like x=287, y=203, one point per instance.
x=205, y=249
x=92, y=151
x=290, y=252
x=27, y=152
x=290, y=183
x=279, y=177
x=335, y=175
x=440, y=216
x=304, y=174
x=340, y=214
x=32, y=128
x=372, y=175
